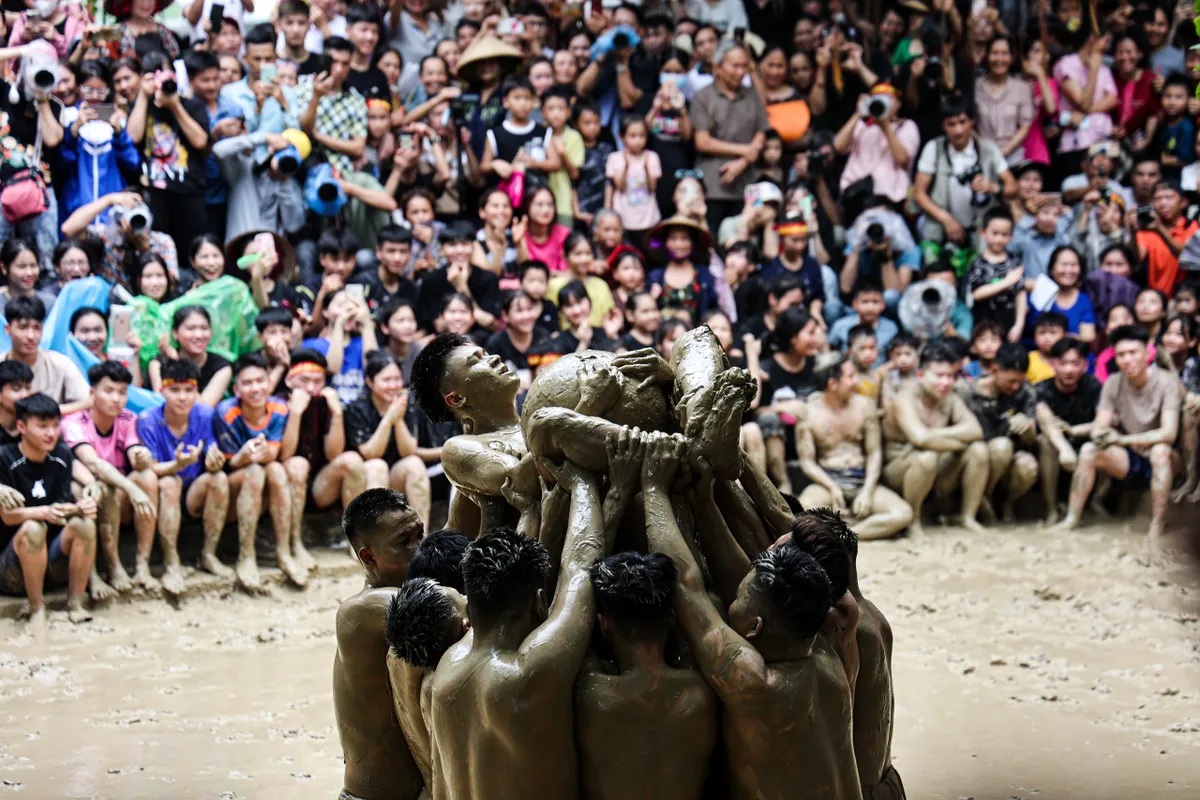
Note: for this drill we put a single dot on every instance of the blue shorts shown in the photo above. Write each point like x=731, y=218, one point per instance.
x=1140, y=471
x=12, y=579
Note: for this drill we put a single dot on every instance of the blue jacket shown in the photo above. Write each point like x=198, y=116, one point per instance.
x=92, y=164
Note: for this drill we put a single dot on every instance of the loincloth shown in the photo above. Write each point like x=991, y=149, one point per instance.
x=890, y=787
x=849, y=480
x=345, y=795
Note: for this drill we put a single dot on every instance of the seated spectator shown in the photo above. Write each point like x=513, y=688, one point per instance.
x=577, y=336
x=376, y=426
x=628, y=277
x=314, y=450
x=1036, y=238
x=519, y=335
x=336, y=254
x=346, y=338
x=15, y=385
x=104, y=439
x=191, y=328
x=151, y=278
x=1163, y=236
x=332, y=113
x=397, y=321
x=248, y=428
x=72, y=261
x=1047, y=331
x=579, y=256
x=278, y=331
x=684, y=285
x=794, y=258
x=459, y=276
x=126, y=240
x=541, y=238
x=48, y=535
x=783, y=291
x=19, y=267
x=417, y=208
x=787, y=379
x=457, y=315
x=189, y=465
x=535, y=282
x=868, y=308
x=393, y=249
x=1075, y=306
x=642, y=321
x=1066, y=409
x=879, y=149
x=756, y=223
x=1150, y=311
x=54, y=374
x=493, y=249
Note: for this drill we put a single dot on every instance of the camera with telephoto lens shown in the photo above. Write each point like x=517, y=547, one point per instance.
x=1145, y=217
x=876, y=235
x=876, y=106
x=461, y=106
x=138, y=218
x=165, y=82
x=967, y=177
x=40, y=70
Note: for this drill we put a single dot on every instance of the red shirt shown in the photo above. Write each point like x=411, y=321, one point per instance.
x=1163, y=264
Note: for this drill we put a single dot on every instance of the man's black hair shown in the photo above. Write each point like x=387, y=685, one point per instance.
x=867, y=286
x=466, y=23
x=338, y=43
x=457, y=231
x=273, y=315
x=393, y=234
x=39, y=406
x=1012, y=357
x=365, y=513
x=1178, y=79
x=288, y=8
x=180, y=369
x=359, y=12
x=1051, y=319
x=249, y=361
x=440, y=556
x=154, y=59
x=937, y=353
x=748, y=249
x=196, y=61
x=82, y=312
x=959, y=347
x=514, y=83
x=636, y=590
x=837, y=525
x=790, y=323
x=333, y=242
x=1129, y=333
x=21, y=308
x=859, y=331
x=903, y=339
x=658, y=19
x=562, y=92
x=828, y=368
x=502, y=568
x=783, y=283
x=115, y=371
x=528, y=266
x=955, y=105
x=308, y=356
x=427, y=372
x=419, y=626
x=796, y=585
x=582, y=105
x=1067, y=344
x=993, y=214
x=816, y=537
x=13, y=371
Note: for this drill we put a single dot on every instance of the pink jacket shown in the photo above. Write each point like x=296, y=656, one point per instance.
x=74, y=29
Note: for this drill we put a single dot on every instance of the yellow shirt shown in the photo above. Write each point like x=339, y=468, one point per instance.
x=560, y=182
x=1039, y=369
x=598, y=293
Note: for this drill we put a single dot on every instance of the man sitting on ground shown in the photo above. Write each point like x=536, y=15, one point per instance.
x=841, y=451
x=1066, y=412
x=383, y=532
x=54, y=374
x=104, y=439
x=314, y=443
x=249, y=430
x=49, y=534
x=934, y=439
x=1134, y=432
x=190, y=469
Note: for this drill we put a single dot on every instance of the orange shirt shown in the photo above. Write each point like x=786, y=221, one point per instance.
x=1163, y=264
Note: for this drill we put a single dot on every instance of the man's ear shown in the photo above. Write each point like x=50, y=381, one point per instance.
x=758, y=626
x=466, y=625
x=540, y=605
x=366, y=556
x=454, y=400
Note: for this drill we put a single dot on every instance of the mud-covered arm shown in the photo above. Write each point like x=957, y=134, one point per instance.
x=742, y=518
x=921, y=436
x=727, y=562
x=727, y=661
x=873, y=447
x=1165, y=433
x=556, y=505
x=964, y=425
x=558, y=646
x=625, y=449
x=773, y=509
x=841, y=632
x=472, y=464
x=1050, y=425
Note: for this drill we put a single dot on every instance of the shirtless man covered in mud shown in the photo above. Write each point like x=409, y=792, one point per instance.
x=934, y=439
x=383, y=532
x=787, y=701
x=841, y=451
x=502, y=705
x=673, y=710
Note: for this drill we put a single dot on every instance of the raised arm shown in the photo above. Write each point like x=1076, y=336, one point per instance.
x=727, y=562
x=728, y=662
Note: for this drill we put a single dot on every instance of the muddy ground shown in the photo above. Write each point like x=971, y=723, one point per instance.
x=1027, y=666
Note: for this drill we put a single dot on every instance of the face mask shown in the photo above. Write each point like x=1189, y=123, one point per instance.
x=46, y=8
x=672, y=77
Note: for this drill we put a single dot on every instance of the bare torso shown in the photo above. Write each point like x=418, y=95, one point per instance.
x=937, y=416
x=838, y=433
x=500, y=733
x=378, y=763
x=407, y=682
x=874, y=702
x=791, y=739
x=644, y=734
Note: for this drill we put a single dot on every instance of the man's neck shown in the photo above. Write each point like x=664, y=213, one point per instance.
x=253, y=414
x=389, y=279
x=488, y=420
x=780, y=649
x=834, y=401
x=521, y=339
x=929, y=398
x=31, y=453
x=504, y=634
x=25, y=358
x=631, y=655
x=1140, y=380
x=8, y=420
x=399, y=349
x=295, y=54
x=517, y=123
x=101, y=421
x=359, y=62
x=176, y=420
x=1065, y=388
x=725, y=89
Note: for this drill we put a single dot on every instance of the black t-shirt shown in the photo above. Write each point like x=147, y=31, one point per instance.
x=630, y=344
x=311, y=66
x=169, y=163
x=41, y=484
x=212, y=365
x=362, y=420
x=314, y=424
x=370, y=83
x=376, y=294
x=435, y=287
x=562, y=343
x=780, y=384
x=501, y=344
x=8, y=438
x=1077, y=408
x=750, y=297
x=286, y=296
x=547, y=321
x=994, y=413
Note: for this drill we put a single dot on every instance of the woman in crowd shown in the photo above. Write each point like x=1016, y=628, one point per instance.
x=457, y=315
x=642, y=321
x=580, y=258
x=1004, y=101
x=151, y=279
x=537, y=236
x=628, y=278
x=494, y=249
x=136, y=18
x=1088, y=95
x=578, y=332
x=1066, y=270
x=20, y=271
x=191, y=328
x=399, y=333
x=1036, y=66
x=71, y=260
x=1136, y=113
x=683, y=286
x=1149, y=310
x=772, y=77
x=206, y=259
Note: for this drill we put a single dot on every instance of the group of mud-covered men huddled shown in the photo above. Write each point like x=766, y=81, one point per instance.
x=658, y=622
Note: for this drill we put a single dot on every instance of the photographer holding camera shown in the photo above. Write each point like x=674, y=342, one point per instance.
x=263, y=192
x=880, y=146
x=1162, y=230
x=121, y=223
x=959, y=177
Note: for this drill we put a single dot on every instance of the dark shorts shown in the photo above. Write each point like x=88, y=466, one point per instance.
x=848, y=480
x=12, y=579
x=1140, y=471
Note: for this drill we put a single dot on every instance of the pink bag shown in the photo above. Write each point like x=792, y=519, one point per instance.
x=514, y=187
x=23, y=198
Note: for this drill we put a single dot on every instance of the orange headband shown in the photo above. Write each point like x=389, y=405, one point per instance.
x=172, y=381
x=375, y=102
x=792, y=229
x=306, y=368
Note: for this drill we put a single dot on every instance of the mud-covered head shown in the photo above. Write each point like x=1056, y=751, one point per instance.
x=423, y=620
x=505, y=574
x=785, y=596
x=814, y=534
x=440, y=557
x=454, y=378
x=384, y=532
x=634, y=594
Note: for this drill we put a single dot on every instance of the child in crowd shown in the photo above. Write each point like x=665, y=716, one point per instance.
x=593, y=181
x=556, y=110
x=346, y=338
x=1150, y=309
x=901, y=367
x=868, y=305
x=628, y=277
x=519, y=144
x=986, y=338
x=1047, y=331
x=494, y=249
x=1186, y=299
x=579, y=254
x=1119, y=316
x=643, y=321
x=538, y=236
x=1177, y=133
x=336, y=253
x=864, y=354
x=535, y=281
x=633, y=175
x=770, y=161
x=996, y=281
x=417, y=206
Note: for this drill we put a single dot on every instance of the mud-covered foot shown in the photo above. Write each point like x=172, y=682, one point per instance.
x=118, y=578
x=1097, y=509
x=972, y=524
x=1184, y=492
x=1051, y=518
x=986, y=511
x=98, y=590
x=1008, y=516
x=1069, y=523
x=302, y=557
x=76, y=611
x=144, y=580
x=172, y=580
x=248, y=577
x=1155, y=533
x=288, y=566
x=916, y=532
x=211, y=564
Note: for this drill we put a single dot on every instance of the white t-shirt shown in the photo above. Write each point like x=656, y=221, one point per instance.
x=960, y=161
